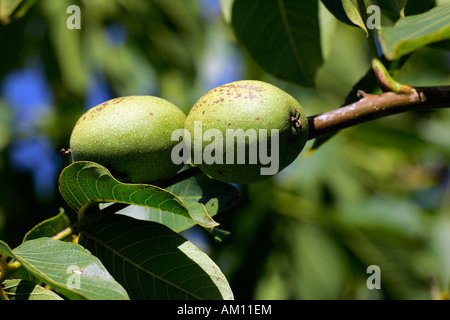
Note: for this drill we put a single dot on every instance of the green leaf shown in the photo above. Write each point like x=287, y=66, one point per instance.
x=395, y=6
x=66, y=267
x=198, y=193
x=283, y=36
x=49, y=227
x=85, y=183
x=12, y=9
x=17, y=289
x=153, y=262
x=369, y=84
x=415, y=32
x=351, y=8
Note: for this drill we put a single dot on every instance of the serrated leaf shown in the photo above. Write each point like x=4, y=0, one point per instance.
x=415, y=32
x=49, y=227
x=282, y=36
x=85, y=183
x=153, y=262
x=66, y=267
x=17, y=289
x=200, y=191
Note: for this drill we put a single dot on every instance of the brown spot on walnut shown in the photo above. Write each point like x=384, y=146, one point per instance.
x=118, y=100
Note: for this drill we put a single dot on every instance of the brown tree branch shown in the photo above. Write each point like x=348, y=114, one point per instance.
x=370, y=107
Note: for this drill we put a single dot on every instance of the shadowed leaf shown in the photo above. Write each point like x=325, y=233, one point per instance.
x=49, y=227
x=153, y=262
x=282, y=36
x=198, y=193
x=17, y=289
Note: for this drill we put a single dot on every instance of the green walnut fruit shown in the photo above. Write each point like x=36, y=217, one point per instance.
x=131, y=136
x=245, y=131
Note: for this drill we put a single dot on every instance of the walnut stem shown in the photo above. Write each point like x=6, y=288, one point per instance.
x=370, y=107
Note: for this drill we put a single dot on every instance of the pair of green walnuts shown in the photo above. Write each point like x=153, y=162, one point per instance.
x=133, y=136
